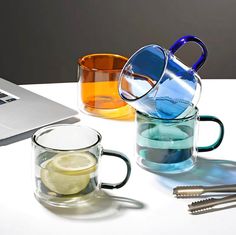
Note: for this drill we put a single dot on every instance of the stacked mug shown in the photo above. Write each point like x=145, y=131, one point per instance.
x=165, y=92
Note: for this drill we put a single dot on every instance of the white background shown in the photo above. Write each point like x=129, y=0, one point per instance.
x=146, y=204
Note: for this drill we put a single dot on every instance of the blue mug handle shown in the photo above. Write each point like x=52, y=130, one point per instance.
x=190, y=38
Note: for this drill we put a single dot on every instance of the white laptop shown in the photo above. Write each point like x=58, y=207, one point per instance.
x=22, y=112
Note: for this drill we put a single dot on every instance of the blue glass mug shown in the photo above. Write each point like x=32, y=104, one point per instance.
x=155, y=82
x=169, y=145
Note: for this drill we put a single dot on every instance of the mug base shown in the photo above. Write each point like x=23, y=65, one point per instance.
x=168, y=168
x=64, y=203
x=122, y=113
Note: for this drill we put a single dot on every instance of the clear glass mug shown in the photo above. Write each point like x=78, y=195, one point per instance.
x=65, y=162
x=98, y=86
x=170, y=145
x=154, y=81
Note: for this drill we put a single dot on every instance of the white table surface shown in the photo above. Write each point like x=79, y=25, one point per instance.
x=146, y=204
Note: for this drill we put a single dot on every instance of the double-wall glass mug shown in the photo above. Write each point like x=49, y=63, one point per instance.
x=66, y=159
x=170, y=145
x=155, y=82
x=98, y=86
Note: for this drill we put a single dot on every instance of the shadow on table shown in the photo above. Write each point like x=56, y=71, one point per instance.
x=103, y=206
x=130, y=117
x=205, y=172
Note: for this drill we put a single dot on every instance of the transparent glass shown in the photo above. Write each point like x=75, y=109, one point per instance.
x=155, y=82
x=65, y=163
x=169, y=146
x=98, y=85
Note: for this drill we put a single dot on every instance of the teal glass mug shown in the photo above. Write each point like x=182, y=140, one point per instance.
x=169, y=145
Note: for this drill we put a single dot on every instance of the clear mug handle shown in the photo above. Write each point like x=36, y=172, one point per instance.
x=128, y=165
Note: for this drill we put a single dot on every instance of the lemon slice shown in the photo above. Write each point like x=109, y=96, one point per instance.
x=68, y=173
x=75, y=163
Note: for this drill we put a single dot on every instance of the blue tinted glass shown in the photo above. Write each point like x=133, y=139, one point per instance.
x=149, y=62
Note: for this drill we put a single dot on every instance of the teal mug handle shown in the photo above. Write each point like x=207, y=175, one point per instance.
x=221, y=135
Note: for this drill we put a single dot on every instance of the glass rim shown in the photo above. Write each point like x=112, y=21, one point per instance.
x=165, y=53
x=43, y=129
x=80, y=60
x=191, y=115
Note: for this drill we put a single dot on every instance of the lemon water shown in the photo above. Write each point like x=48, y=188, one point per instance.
x=65, y=177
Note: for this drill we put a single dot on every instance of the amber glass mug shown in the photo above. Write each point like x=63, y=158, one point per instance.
x=98, y=86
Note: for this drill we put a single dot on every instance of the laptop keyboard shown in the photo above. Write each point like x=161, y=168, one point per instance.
x=5, y=98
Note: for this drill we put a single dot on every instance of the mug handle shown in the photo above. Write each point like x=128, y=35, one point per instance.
x=190, y=38
x=221, y=135
x=128, y=165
